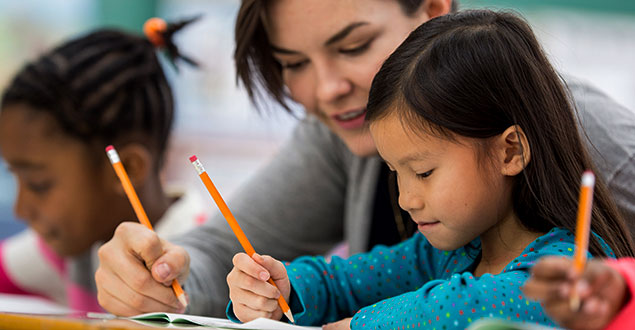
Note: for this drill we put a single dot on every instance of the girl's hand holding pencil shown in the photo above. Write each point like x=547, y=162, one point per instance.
x=252, y=296
x=601, y=289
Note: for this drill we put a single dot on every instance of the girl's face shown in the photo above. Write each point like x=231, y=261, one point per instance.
x=63, y=194
x=451, y=196
x=330, y=50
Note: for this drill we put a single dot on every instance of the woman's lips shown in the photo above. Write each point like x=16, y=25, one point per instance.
x=351, y=119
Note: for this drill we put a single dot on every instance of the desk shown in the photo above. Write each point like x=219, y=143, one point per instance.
x=14, y=321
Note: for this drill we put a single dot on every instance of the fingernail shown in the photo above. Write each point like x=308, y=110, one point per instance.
x=263, y=276
x=163, y=270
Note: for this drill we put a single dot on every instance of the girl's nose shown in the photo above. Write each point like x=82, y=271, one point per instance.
x=409, y=200
x=22, y=208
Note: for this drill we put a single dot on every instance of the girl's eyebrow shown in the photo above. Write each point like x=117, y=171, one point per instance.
x=25, y=165
x=415, y=156
x=333, y=39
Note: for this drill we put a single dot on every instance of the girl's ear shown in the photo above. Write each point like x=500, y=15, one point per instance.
x=514, y=150
x=137, y=160
x=434, y=8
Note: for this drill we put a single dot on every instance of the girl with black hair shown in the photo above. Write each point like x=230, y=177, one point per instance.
x=57, y=115
x=477, y=125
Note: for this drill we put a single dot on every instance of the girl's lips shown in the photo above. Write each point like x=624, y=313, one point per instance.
x=426, y=225
x=351, y=119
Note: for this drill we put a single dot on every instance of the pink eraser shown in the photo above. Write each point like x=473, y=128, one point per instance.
x=193, y=158
x=110, y=147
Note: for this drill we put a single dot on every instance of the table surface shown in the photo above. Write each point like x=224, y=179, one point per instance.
x=15, y=321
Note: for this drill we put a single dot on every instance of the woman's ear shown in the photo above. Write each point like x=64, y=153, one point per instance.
x=514, y=151
x=137, y=161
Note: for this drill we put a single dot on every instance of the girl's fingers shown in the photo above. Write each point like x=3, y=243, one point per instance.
x=239, y=280
x=543, y=290
x=250, y=267
x=245, y=313
x=254, y=301
x=552, y=268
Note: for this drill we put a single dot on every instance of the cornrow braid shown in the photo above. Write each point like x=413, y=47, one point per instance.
x=103, y=87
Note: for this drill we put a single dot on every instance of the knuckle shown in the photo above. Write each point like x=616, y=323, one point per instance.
x=137, y=301
x=139, y=283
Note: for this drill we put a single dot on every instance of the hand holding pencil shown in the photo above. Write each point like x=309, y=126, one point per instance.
x=574, y=293
x=138, y=208
x=257, y=284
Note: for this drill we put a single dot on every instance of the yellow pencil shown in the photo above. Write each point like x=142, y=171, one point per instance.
x=138, y=208
x=242, y=238
x=582, y=230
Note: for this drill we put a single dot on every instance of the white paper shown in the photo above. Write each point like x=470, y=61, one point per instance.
x=257, y=324
x=13, y=303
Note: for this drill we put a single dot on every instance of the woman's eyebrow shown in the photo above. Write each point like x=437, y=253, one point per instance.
x=335, y=38
x=344, y=32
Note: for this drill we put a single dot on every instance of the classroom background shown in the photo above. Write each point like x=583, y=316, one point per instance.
x=593, y=40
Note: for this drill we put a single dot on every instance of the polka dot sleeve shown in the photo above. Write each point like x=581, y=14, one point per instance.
x=414, y=285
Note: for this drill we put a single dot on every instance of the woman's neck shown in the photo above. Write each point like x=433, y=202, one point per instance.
x=502, y=244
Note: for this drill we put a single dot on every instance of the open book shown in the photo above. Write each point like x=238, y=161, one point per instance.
x=183, y=319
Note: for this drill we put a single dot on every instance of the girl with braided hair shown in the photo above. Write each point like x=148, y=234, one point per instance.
x=56, y=117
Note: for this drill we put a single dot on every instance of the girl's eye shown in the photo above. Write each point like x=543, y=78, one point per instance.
x=40, y=187
x=357, y=50
x=424, y=174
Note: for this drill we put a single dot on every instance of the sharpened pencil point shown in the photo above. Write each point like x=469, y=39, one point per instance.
x=289, y=315
x=182, y=299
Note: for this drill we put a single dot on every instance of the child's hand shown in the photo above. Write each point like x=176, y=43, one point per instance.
x=339, y=325
x=249, y=291
x=601, y=289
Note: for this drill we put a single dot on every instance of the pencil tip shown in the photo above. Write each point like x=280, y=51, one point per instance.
x=289, y=315
x=193, y=158
x=182, y=300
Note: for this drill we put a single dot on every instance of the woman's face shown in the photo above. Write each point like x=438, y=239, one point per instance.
x=330, y=50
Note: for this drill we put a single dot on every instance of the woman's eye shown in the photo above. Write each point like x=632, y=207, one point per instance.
x=294, y=66
x=357, y=50
x=424, y=174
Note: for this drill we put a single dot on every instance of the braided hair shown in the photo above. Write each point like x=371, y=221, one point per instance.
x=104, y=87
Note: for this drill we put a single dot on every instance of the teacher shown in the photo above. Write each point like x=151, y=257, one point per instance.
x=326, y=185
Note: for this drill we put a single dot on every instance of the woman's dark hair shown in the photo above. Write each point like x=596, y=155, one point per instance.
x=477, y=73
x=105, y=87
x=256, y=67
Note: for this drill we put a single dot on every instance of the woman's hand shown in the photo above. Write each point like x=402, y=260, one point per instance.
x=602, y=291
x=136, y=269
x=252, y=296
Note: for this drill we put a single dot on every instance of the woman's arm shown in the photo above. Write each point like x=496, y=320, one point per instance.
x=291, y=207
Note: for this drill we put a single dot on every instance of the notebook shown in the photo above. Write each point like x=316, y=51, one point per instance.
x=182, y=319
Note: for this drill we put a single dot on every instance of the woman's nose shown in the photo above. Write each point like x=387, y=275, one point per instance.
x=332, y=84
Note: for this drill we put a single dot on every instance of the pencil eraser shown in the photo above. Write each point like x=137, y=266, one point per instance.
x=110, y=147
x=193, y=158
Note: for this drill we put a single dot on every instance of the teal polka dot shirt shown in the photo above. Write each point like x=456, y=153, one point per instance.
x=412, y=285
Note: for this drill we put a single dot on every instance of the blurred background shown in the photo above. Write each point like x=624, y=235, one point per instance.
x=593, y=40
